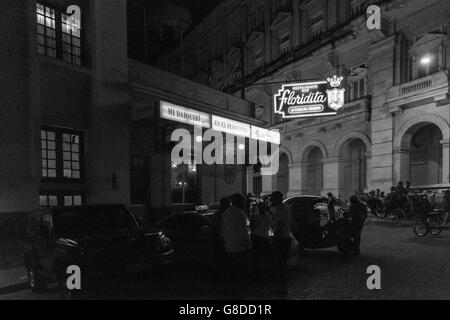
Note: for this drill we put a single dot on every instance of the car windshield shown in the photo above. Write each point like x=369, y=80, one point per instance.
x=91, y=221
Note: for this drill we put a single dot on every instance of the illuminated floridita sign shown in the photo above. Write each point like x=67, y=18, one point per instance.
x=310, y=99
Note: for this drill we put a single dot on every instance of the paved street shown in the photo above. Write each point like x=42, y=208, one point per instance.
x=411, y=268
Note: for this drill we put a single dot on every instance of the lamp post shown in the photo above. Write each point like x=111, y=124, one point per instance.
x=427, y=59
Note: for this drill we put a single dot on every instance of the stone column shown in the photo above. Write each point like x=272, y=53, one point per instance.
x=401, y=165
x=268, y=180
x=250, y=173
x=445, y=161
x=296, y=171
x=368, y=171
x=380, y=76
x=330, y=176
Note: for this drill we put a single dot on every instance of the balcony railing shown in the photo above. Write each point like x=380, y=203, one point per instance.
x=433, y=86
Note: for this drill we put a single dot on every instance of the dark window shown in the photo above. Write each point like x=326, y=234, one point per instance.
x=317, y=19
x=257, y=186
x=362, y=91
x=355, y=90
x=58, y=34
x=139, y=180
x=61, y=153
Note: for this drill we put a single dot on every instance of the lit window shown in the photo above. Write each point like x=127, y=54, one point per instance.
x=71, y=40
x=48, y=147
x=184, y=184
x=55, y=200
x=46, y=31
x=47, y=200
x=71, y=155
x=72, y=200
x=61, y=153
x=58, y=34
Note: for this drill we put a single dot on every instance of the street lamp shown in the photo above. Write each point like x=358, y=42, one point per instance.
x=426, y=60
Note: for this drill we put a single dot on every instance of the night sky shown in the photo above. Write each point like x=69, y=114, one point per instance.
x=198, y=8
x=138, y=37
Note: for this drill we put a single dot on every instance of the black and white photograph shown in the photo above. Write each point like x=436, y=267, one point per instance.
x=223, y=155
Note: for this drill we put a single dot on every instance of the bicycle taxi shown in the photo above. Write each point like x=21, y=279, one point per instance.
x=431, y=216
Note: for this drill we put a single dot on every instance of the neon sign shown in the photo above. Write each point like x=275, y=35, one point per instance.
x=310, y=99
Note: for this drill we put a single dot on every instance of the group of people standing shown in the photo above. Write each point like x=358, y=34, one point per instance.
x=253, y=251
x=357, y=211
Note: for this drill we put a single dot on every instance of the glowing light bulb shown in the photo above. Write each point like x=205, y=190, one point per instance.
x=425, y=60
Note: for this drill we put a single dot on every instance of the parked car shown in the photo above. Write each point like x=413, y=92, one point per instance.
x=194, y=238
x=306, y=227
x=97, y=238
x=318, y=202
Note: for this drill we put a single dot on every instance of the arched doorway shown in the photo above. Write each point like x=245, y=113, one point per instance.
x=353, y=168
x=283, y=174
x=313, y=184
x=425, y=155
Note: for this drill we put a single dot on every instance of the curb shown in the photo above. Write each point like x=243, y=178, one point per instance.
x=13, y=288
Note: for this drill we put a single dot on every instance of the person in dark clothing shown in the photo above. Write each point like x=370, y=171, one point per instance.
x=216, y=224
x=389, y=200
x=217, y=217
x=281, y=239
x=260, y=224
x=358, y=214
x=407, y=186
x=331, y=207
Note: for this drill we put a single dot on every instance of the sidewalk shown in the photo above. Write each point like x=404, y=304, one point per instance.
x=12, y=280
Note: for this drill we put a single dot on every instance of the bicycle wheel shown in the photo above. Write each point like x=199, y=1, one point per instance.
x=398, y=217
x=435, y=226
x=420, y=228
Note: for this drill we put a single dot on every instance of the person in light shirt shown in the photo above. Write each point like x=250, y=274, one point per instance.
x=237, y=243
x=234, y=227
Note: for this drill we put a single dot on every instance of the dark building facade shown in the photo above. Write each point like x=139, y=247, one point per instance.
x=81, y=120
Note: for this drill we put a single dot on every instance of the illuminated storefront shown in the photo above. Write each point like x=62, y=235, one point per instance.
x=200, y=112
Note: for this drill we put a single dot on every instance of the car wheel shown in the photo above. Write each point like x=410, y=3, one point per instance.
x=345, y=247
x=420, y=228
x=36, y=283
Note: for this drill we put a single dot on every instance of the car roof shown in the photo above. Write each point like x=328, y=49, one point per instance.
x=304, y=197
x=88, y=206
x=206, y=217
